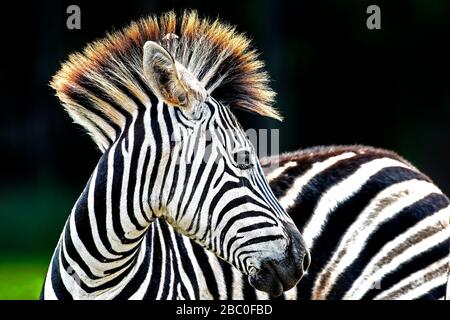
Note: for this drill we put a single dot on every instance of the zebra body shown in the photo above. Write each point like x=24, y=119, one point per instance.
x=377, y=228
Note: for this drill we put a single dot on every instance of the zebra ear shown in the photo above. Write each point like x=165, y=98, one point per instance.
x=169, y=80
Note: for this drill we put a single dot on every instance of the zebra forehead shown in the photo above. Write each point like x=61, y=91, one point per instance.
x=110, y=69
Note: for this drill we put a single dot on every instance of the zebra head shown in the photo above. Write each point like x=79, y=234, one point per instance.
x=157, y=106
x=208, y=183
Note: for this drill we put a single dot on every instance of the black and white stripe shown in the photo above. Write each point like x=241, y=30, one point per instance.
x=167, y=164
x=173, y=165
x=376, y=227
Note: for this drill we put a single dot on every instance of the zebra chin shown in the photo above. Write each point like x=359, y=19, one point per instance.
x=278, y=275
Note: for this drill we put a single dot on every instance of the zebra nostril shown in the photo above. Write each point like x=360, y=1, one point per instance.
x=306, y=261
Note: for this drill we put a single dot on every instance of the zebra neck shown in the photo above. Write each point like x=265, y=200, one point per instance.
x=102, y=238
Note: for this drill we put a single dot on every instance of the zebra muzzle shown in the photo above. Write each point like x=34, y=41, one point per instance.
x=276, y=276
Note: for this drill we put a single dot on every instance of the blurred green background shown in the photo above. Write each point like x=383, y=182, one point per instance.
x=337, y=83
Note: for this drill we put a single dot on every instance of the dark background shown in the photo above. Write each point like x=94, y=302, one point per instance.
x=337, y=83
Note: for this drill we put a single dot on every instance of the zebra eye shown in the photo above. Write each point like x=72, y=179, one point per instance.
x=182, y=99
x=242, y=159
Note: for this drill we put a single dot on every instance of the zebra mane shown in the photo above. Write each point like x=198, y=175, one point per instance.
x=104, y=84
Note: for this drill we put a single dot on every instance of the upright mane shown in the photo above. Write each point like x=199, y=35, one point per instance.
x=104, y=84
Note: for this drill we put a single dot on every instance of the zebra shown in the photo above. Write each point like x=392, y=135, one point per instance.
x=385, y=235
x=375, y=226
x=155, y=99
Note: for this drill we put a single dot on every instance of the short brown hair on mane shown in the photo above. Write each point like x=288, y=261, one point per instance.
x=91, y=82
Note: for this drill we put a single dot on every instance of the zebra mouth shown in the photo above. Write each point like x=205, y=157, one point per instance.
x=267, y=280
x=277, y=276
x=274, y=278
